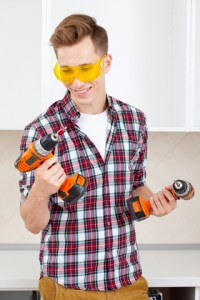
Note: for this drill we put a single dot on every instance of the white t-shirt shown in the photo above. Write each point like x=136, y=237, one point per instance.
x=94, y=126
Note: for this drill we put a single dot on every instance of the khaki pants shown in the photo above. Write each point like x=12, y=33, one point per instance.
x=50, y=290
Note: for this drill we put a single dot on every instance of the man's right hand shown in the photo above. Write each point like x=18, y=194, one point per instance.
x=49, y=177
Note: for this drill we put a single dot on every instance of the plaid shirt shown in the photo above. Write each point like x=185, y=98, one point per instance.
x=91, y=245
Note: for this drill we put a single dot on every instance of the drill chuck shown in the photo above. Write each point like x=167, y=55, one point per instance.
x=46, y=144
x=183, y=189
x=37, y=152
x=49, y=141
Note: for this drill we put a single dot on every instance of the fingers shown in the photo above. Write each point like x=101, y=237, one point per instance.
x=168, y=195
x=49, y=176
x=49, y=168
x=59, y=176
x=155, y=210
x=48, y=164
x=169, y=187
x=56, y=167
x=56, y=172
x=61, y=179
x=57, y=180
x=162, y=202
x=158, y=203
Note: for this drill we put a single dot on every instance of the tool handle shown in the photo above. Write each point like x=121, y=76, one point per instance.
x=73, y=188
x=140, y=208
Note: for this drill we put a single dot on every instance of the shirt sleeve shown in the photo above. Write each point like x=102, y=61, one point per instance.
x=138, y=165
x=26, y=180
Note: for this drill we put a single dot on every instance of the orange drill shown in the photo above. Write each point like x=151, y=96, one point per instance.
x=73, y=188
x=140, y=208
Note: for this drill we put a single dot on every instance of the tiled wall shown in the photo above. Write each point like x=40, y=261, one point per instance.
x=173, y=156
x=170, y=156
x=12, y=228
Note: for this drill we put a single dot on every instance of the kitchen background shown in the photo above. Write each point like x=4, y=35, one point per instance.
x=170, y=156
x=161, y=77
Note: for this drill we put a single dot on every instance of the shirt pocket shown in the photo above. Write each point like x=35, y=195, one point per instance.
x=126, y=142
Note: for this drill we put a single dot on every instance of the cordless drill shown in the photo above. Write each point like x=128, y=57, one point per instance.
x=73, y=188
x=140, y=208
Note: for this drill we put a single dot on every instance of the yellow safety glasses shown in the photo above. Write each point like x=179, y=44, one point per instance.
x=84, y=73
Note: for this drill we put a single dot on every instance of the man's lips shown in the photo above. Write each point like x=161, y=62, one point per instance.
x=81, y=91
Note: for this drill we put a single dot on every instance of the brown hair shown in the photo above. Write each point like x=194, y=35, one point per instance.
x=77, y=26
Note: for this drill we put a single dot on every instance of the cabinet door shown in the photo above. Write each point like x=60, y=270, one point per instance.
x=16, y=295
x=148, y=42
x=20, y=60
x=196, y=41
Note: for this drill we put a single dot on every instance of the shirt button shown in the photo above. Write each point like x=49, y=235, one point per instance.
x=108, y=224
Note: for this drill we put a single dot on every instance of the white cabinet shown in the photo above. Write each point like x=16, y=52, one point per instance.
x=20, y=60
x=153, y=48
x=174, y=272
x=196, y=63
x=156, y=58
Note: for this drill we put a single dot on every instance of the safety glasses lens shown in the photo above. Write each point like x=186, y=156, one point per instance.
x=89, y=73
x=84, y=73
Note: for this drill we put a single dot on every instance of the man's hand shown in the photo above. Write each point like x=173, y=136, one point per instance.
x=163, y=202
x=49, y=177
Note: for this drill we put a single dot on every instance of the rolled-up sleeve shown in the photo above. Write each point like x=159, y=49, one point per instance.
x=138, y=165
x=26, y=180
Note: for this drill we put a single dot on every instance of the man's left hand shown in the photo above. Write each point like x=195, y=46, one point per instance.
x=163, y=202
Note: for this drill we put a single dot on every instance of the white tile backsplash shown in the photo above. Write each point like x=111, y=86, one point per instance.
x=170, y=156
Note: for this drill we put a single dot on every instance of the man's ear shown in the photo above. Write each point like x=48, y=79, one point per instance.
x=107, y=63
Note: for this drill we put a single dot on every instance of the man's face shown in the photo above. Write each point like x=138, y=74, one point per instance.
x=85, y=94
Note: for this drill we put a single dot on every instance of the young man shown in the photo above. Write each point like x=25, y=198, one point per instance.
x=88, y=249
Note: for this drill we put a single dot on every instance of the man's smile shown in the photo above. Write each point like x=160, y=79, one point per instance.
x=81, y=92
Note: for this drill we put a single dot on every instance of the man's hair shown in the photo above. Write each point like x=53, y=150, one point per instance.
x=77, y=26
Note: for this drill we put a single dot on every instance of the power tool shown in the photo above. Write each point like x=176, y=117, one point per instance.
x=140, y=208
x=73, y=188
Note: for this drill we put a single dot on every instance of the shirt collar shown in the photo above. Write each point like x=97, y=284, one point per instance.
x=70, y=108
x=73, y=113
x=111, y=107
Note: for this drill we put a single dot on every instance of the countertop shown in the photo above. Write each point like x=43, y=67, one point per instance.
x=20, y=269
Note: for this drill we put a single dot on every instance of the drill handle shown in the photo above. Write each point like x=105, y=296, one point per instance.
x=139, y=208
x=73, y=188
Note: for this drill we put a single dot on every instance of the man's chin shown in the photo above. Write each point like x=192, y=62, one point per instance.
x=82, y=100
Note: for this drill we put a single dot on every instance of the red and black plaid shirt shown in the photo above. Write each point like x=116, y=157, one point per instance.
x=91, y=245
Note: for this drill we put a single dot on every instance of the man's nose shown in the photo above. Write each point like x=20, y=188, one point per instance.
x=77, y=83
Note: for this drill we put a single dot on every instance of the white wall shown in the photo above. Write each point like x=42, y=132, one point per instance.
x=20, y=61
